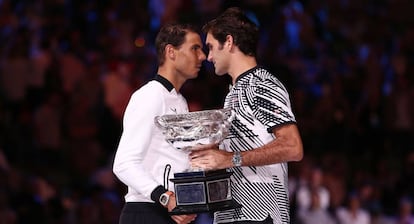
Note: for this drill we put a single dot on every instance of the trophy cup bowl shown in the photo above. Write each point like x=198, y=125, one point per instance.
x=196, y=190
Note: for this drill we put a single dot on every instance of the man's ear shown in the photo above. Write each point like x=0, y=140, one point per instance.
x=170, y=51
x=229, y=41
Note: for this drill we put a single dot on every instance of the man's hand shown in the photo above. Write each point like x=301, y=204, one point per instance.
x=180, y=219
x=211, y=159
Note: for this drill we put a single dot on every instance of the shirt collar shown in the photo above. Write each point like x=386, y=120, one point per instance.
x=245, y=73
x=167, y=84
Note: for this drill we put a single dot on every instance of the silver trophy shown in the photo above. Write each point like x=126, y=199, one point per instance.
x=193, y=130
x=199, y=191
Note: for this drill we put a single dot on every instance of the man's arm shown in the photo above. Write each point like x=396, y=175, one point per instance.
x=286, y=147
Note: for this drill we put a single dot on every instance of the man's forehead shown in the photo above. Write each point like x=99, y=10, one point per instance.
x=192, y=37
x=209, y=39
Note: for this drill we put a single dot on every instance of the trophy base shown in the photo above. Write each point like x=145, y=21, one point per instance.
x=205, y=208
x=203, y=191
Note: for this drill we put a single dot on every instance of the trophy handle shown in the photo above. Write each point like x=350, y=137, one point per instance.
x=231, y=116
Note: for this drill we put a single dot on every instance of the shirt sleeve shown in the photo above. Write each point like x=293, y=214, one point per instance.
x=270, y=103
x=138, y=126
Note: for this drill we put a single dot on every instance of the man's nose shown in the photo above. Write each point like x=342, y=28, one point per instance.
x=203, y=56
x=209, y=57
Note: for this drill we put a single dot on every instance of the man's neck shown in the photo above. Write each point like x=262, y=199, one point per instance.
x=241, y=65
x=170, y=76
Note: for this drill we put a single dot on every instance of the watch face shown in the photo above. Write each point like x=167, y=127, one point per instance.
x=237, y=160
x=164, y=199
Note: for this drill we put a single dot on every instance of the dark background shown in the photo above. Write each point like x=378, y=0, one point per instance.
x=67, y=69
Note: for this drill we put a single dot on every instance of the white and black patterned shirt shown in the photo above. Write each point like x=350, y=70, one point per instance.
x=261, y=103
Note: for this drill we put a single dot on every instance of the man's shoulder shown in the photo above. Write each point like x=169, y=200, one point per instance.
x=260, y=77
x=264, y=74
x=151, y=85
x=151, y=88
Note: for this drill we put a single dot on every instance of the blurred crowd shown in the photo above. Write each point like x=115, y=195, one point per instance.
x=68, y=68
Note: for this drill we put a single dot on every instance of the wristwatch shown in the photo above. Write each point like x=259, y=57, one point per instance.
x=237, y=158
x=165, y=198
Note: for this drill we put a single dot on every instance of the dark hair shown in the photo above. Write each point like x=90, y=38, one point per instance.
x=235, y=23
x=171, y=33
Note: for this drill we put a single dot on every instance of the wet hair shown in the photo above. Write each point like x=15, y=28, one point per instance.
x=174, y=34
x=235, y=23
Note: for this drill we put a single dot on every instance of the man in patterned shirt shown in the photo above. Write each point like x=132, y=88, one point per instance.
x=263, y=135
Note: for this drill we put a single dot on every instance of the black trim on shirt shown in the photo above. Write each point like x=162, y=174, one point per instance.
x=270, y=130
x=245, y=73
x=167, y=84
x=157, y=192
